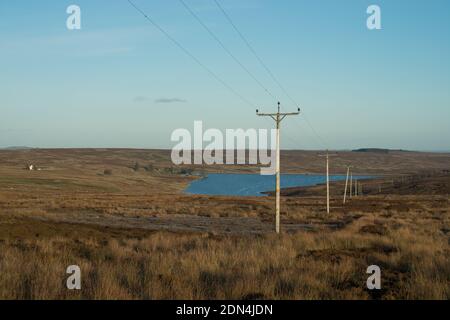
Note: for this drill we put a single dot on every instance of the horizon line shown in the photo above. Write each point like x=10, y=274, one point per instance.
x=368, y=149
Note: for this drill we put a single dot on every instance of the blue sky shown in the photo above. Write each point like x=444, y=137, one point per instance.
x=118, y=82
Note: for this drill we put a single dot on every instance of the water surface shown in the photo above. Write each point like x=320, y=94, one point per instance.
x=233, y=184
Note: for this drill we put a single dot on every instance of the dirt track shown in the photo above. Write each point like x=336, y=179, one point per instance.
x=180, y=223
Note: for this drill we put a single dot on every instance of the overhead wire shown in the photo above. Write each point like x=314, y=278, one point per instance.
x=191, y=55
x=217, y=39
x=212, y=73
x=269, y=72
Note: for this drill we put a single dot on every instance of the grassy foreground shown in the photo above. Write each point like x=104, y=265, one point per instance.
x=411, y=249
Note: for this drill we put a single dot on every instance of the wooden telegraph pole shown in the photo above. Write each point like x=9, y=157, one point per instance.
x=328, y=177
x=351, y=184
x=278, y=117
x=346, y=184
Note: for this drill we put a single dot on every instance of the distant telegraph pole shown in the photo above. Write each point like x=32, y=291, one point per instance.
x=351, y=184
x=328, y=178
x=346, y=184
x=278, y=117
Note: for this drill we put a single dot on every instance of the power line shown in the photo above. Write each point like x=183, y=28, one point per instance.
x=250, y=47
x=301, y=131
x=208, y=70
x=212, y=34
x=316, y=137
x=322, y=141
x=188, y=53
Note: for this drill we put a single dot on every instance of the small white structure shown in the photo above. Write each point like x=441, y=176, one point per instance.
x=33, y=167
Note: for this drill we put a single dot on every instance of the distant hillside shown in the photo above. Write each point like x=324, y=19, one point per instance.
x=377, y=150
x=17, y=148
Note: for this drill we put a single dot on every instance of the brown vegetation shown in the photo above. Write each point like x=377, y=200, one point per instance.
x=136, y=236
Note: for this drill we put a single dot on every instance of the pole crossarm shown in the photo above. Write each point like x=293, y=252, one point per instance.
x=284, y=114
x=328, y=155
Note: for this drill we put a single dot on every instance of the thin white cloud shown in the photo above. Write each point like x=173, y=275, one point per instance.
x=139, y=99
x=170, y=100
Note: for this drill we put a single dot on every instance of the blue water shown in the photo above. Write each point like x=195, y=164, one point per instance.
x=231, y=184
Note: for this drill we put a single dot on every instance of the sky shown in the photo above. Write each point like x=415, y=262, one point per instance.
x=120, y=82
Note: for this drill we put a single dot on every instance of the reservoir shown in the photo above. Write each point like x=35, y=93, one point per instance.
x=234, y=184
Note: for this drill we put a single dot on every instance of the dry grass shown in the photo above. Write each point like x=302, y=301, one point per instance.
x=412, y=252
x=136, y=237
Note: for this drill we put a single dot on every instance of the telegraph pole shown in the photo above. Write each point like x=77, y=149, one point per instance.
x=346, y=184
x=278, y=117
x=328, y=178
x=351, y=184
